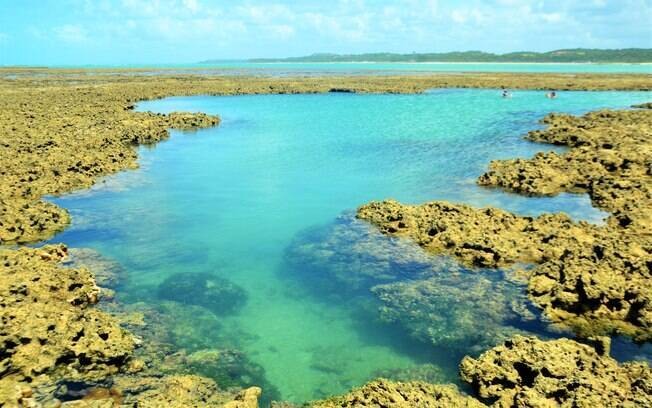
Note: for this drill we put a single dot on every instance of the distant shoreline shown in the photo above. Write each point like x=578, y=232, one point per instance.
x=430, y=63
x=227, y=64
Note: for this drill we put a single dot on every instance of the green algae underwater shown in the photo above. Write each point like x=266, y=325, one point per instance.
x=241, y=241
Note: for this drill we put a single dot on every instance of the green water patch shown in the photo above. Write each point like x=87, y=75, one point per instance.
x=239, y=253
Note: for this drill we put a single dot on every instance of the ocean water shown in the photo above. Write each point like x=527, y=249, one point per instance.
x=242, y=239
x=375, y=68
x=388, y=68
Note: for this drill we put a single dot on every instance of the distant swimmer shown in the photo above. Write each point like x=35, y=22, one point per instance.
x=551, y=95
x=506, y=94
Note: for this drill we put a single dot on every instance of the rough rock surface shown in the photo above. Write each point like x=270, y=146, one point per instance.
x=610, y=159
x=56, y=346
x=588, y=278
x=384, y=393
x=594, y=279
x=527, y=372
x=49, y=328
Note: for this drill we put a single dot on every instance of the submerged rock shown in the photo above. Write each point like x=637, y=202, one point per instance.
x=428, y=373
x=107, y=272
x=435, y=298
x=593, y=279
x=174, y=391
x=349, y=256
x=203, y=289
x=463, y=312
x=528, y=372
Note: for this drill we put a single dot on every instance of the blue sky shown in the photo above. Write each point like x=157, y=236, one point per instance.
x=53, y=32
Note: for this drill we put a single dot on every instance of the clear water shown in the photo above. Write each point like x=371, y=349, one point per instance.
x=265, y=201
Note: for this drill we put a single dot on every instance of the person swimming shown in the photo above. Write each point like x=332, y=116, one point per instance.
x=506, y=94
x=551, y=95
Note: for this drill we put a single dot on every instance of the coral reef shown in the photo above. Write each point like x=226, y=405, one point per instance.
x=106, y=272
x=384, y=393
x=437, y=300
x=49, y=329
x=349, y=255
x=527, y=372
x=204, y=289
x=610, y=159
x=593, y=279
x=64, y=129
x=58, y=348
x=464, y=311
x=522, y=372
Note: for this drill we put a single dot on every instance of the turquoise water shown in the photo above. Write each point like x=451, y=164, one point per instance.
x=252, y=223
x=384, y=68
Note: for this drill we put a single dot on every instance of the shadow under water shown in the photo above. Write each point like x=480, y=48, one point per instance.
x=432, y=299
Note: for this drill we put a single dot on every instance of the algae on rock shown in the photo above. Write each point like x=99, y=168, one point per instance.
x=203, y=289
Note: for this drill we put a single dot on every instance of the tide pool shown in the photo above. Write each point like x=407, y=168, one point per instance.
x=242, y=237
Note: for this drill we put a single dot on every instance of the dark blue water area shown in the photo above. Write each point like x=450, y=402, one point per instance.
x=259, y=212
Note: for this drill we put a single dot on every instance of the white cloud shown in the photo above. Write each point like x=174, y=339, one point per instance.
x=191, y=5
x=462, y=16
x=282, y=31
x=552, y=17
x=254, y=27
x=71, y=33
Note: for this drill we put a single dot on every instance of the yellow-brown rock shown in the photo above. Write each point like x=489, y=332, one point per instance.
x=527, y=372
x=50, y=329
x=384, y=393
x=593, y=279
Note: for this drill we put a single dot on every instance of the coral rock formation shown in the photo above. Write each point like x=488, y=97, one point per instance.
x=49, y=328
x=383, y=393
x=594, y=279
x=526, y=372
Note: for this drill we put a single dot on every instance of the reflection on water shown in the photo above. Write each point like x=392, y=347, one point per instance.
x=240, y=259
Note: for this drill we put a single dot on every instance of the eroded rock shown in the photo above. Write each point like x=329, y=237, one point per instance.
x=50, y=330
x=384, y=393
x=593, y=279
x=528, y=372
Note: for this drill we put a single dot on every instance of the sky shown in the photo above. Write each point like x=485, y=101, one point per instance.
x=117, y=32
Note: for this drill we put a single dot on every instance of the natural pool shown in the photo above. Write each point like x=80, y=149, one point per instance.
x=242, y=237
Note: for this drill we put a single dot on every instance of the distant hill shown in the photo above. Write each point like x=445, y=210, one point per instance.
x=629, y=55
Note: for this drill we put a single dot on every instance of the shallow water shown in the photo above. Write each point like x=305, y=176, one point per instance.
x=265, y=202
x=380, y=68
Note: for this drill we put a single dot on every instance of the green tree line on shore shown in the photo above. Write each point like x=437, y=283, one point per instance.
x=629, y=55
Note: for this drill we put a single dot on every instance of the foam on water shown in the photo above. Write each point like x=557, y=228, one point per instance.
x=256, y=201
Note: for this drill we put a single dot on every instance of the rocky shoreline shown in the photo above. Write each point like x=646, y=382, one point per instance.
x=63, y=130
x=591, y=280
